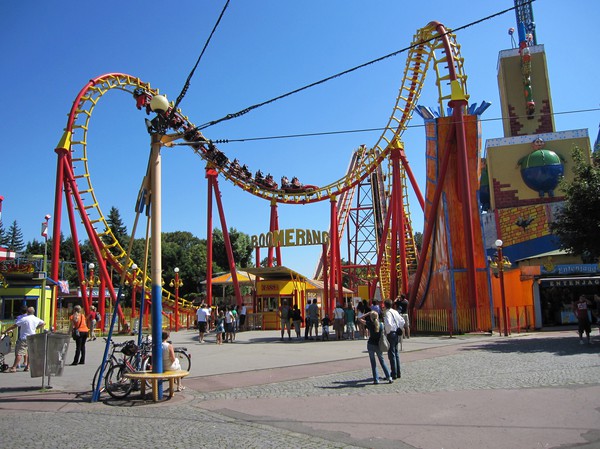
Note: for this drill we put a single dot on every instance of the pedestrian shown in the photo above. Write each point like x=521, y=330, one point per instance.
x=285, y=314
x=339, y=319
x=79, y=331
x=229, y=320
x=243, y=313
x=220, y=327
x=375, y=306
x=313, y=315
x=393, y=324
x=92, y=319
x=403, y=303
x=360, y=313
x=583, y=319
x=297, y=320
x=27, y=324
x=202, y=317
x=375, y=328
x=306, y=319
x=325, y=322
x=350, y=316
x=170, y=361
x=235, y=322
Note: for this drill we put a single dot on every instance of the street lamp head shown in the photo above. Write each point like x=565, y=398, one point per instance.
x=159, y=103
x=91, y=266
x=498, y=243
x=176, y=270
x=134, y=267
x=47, y=217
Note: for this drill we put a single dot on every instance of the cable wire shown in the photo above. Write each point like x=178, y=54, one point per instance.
x=186, y=86
x=345, y=72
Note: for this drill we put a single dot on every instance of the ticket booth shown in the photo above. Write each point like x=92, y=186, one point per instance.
x=274, y=285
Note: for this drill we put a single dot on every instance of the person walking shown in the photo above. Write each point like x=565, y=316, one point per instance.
x=393, y=324
x=92, y=319
x=243, y=313
x=79, y=331
x=375, y=327
x=403, y=309
x=350, y=316
x=27, y=324
x=202, y=315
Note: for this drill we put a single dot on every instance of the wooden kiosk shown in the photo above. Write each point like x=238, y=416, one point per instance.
x=273, y=286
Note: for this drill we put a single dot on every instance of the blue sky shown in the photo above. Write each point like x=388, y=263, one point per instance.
x=261, y=49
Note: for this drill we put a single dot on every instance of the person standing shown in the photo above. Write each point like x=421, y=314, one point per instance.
x=583, y=319
x=243, y=312
x=79, y=330
x=393, y=325
x=229, y=320
x=202, y=317
x=92, y=319
x=285, y=315
x=296, y=319
x=350, y=319
x=313, y=315
x=375, y=327
x=27, y=325
x=403, y=303
x=338, y=322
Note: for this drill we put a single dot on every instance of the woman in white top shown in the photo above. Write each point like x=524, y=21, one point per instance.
x=170, y=362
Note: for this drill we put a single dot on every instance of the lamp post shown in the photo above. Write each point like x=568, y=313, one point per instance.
x=176, y=283
x=45, y=267
x=500, y=263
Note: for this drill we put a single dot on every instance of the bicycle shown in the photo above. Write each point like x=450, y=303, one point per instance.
x=112, y=359
x=115, y=382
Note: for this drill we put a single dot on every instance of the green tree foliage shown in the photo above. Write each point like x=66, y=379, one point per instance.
x=418, y=240
x=577, y=225
x=3, y=236
x=15, y=238
x=188, y=253
x=115, y=223
x=241, y=246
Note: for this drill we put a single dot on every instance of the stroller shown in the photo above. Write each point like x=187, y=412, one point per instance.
x=4, y=349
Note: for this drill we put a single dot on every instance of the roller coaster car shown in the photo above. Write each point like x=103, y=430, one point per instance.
x=142, y=99
x=240, y=171
x=267, y=182
x=216, y=156
x=295, y=186
x=176, y=121
x=191, y=134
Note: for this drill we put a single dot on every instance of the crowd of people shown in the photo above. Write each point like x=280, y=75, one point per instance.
x=224, y=320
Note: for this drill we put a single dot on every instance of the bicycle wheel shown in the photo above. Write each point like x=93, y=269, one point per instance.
x=96, y=380
x=184, y=359
x=116, y=384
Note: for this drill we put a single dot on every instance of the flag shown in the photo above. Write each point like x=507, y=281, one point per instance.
x=63, y=286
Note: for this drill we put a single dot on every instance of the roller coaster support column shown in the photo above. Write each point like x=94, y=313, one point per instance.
x=325, y=277
x=398, y=225
x=335, y=266
x=274, y=226
x=458, y=103
x=211, y=174
x=209, y=240
x=156, y=255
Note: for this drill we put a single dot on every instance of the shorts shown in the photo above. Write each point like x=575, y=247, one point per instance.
x=350, y=326
x=21, y=347
x=285, y=323
x=228, y=327
x=406, y=321
x=201, y=326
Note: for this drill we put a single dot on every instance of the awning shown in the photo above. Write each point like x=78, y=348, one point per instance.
x=243, y=278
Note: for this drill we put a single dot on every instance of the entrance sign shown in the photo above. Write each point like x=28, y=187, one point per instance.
x=290, y=237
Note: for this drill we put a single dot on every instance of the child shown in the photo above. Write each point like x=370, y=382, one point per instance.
x=325, y=322
x=170, y=361
x=220, y=327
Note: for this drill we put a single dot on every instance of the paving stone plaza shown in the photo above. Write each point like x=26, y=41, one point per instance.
x=530, y=390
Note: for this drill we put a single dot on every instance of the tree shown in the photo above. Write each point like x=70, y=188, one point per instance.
x=240, y=244
x=577, y=224
x=15, y=238
x=3, y=236
x=115, y=223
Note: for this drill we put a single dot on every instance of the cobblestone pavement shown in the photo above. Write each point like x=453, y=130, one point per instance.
x=531, y=391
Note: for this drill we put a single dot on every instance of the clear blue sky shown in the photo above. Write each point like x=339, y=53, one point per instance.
x=262, y=49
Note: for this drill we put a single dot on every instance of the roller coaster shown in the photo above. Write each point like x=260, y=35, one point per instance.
x=399, y=267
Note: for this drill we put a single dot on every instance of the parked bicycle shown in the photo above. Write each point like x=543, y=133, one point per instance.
x=115, y=382
x=128, y=349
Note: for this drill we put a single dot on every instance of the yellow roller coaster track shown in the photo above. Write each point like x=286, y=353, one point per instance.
x=426, y=42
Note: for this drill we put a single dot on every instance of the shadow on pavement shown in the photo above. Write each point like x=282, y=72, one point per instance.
x=538, y=344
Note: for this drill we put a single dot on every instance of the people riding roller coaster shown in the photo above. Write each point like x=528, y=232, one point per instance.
x=215, y=155
x=266, y=181
x=295, y=186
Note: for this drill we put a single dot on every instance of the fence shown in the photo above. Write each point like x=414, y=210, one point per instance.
x=446, y=321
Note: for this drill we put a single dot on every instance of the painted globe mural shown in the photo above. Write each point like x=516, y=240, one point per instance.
x=542, y=170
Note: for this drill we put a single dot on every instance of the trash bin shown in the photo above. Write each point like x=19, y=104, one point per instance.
x=49, y=349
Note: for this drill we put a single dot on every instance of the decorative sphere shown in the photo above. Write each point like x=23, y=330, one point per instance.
x=541, y=170
x=159, y=103
x=498, y=243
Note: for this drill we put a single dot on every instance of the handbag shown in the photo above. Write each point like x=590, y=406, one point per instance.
x=384, y=344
